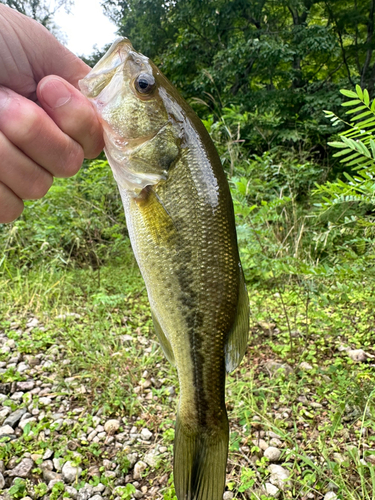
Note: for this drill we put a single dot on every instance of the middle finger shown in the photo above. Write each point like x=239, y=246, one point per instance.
x=31, y=130
x=24, y=177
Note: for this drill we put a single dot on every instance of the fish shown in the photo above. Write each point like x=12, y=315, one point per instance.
x=180, y=219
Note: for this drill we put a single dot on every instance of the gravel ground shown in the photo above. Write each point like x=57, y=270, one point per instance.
x=52, y=433
x=53, y=446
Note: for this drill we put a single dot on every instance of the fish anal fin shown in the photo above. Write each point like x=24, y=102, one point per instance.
x=164, y=342
x=238, y=336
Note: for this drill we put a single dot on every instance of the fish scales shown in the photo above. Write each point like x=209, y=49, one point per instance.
x=180, y=220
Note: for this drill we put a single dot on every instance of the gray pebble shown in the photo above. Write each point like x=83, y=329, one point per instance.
x=26, y=421
x=92, y=434
x=22, y=367
x=45, y=401
x=25, y=415
x=85, y=492
x=261, y=443
x=58, y=463
x=27, y=385
x=50, y=475
x=57, y=416
x=71, y=491
x=274, y=366
x=99, y=488
x=111, y=426
x=276, y=442
x=107, y=464
x=228, y=495
x=271, y=490
x=5, y=430
x=331, y=495
x=17, y=396
x=23, y=469
x=146, y=434
x=139, y=468
x=132, y=457
x=279, y=476
x=52, y=482
x=272, y=453
x=47, y=465
x=32, y=323
x=58, y=424
x=150, y=459
x=4, y=412
x=15, y=417
x=70, y=472
x=305, y=366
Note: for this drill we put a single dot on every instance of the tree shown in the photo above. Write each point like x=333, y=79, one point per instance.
x=283, y=62
x=353, y=23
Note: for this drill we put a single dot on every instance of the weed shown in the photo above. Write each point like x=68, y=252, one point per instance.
x=18, y=490
x=125, y=492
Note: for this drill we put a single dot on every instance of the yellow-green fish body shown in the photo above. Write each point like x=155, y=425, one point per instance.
x=180, y=220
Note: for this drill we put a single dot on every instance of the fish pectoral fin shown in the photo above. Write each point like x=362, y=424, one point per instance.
x=156, y=219
x=238, y=336
x=164, y=342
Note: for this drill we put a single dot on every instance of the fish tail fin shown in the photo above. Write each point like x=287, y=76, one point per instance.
x=200, y=460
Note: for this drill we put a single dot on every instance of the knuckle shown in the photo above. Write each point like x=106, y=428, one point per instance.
x=39, y=187
x=11, y=206
x=31, y=125
x=94, y=143
x=72, y=160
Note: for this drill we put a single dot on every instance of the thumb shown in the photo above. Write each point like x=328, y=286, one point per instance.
x=72, y=113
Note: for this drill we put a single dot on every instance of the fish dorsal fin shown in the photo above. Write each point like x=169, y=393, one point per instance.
x=238, y=336
x=164, y=342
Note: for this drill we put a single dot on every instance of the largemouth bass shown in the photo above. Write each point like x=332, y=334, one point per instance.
x=180, y=219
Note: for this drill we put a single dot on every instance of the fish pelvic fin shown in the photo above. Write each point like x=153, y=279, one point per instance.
x=200, y=458
x=236, y=343
x=163, y=339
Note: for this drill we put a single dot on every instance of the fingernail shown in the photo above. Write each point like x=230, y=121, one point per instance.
x=4, y=98
x=55, y=93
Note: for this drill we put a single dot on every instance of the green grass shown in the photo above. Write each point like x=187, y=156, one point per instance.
x=101, y=321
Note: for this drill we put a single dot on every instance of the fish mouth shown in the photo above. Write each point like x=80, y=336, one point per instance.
x=103, y=71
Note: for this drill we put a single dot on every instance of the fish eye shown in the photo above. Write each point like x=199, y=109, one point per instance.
x=145, y=83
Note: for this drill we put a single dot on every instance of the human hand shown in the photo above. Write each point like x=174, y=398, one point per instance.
x=39, y=142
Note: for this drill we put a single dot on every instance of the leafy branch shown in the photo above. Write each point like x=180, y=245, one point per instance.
x=357, y=151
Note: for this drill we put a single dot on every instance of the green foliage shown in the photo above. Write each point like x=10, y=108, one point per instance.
x=57, y=490
x=40, y=490
x=281, y=62
x=357, y=151
x=18, y=490
x=125, y=492
x=248, y=479
x=79, y=222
